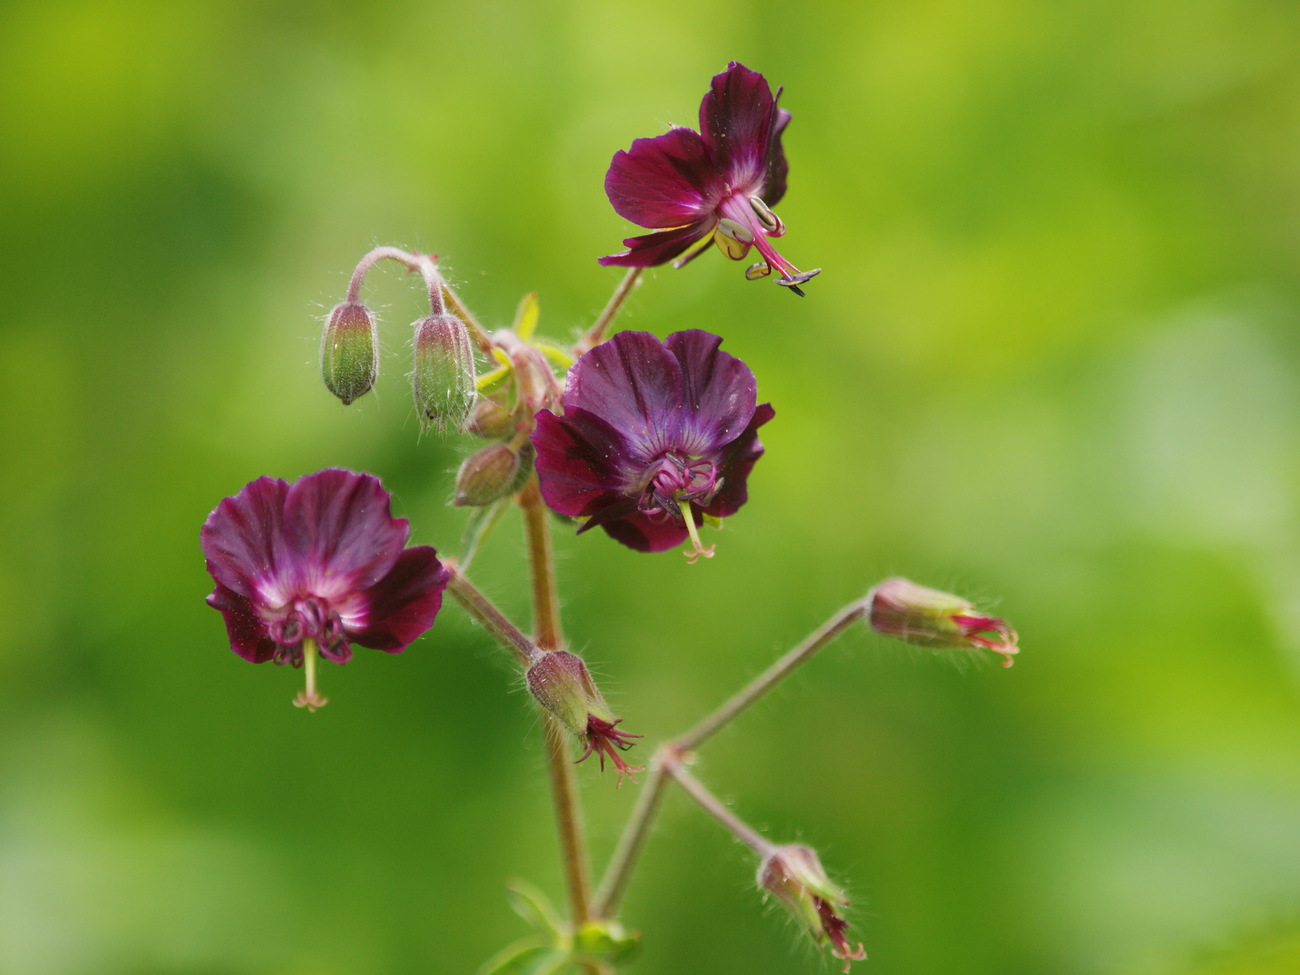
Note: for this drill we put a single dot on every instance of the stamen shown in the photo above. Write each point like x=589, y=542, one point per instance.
x=310, y=698
x=692, y=529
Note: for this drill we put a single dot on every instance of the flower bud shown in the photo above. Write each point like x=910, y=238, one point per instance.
x=444, y=372
x=490, y=420
x=794, y=876
x=349, y=351
x=926, y=617
x=493, y=472
x=561, y=683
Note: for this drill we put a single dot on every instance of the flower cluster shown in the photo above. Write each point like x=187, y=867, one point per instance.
x=648, y=439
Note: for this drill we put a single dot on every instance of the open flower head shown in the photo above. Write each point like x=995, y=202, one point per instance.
x=794, y=876
x=314, y=567
x=718, y=184
x=655, y=436
x=916, y=614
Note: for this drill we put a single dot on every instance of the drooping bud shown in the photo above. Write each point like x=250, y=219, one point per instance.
x=561, y=683
x=494, y=472
x=490, y=420
x=349, y=351
x=926, y=617
x=794, y=876
x=444, y=372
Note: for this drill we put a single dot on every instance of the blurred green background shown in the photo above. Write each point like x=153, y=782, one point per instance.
x=1052, y=362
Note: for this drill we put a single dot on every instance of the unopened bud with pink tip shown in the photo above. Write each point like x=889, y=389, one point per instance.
x=926, y=617
x=349, y=351
x=561, y=683
x=444, y=372
x=794, y=876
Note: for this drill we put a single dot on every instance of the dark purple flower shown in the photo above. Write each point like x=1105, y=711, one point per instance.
x=316, y=566
x=716, y=184
x=655, y=436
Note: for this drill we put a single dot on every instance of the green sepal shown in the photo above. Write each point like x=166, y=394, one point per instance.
x=556, y=356
x=490, y=382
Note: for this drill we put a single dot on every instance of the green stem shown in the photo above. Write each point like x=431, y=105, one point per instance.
x=482, y=611
x=671, y=755
x=596, y=334
x=769, y=678
x=614, y=884
x=718, y=810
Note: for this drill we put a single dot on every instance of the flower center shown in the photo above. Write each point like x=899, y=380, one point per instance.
x=673, y=482
x=306, y=618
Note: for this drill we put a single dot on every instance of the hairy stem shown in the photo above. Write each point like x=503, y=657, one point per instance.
x=718, y=810
x=547, y=633
x=614, y=884
x=440, y=293
x=596, y=334
x=546, y=602
x=670, y=756
x=769, y=678
x=483, y=612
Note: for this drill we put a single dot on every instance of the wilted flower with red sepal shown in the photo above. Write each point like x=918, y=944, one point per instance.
x=794, y=876
x=717, y=184
x=316, y=566
x=930, y=618
x=654, y=437
x=561, y=683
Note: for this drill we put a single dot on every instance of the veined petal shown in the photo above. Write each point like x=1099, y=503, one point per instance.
x=720, y=392
x=635, y=385
x=736, y=124
x=403, y=604
x=736, y=463
x=665, y=181
x=650, y=250
x=243, y=537
x=579, y=462
x=340, y=527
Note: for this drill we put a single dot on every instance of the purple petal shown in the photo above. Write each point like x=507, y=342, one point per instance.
x=644, y=534
x=736, y=463
x=777, y=167
x=736, y=123
x=245, y=628
x=666, y=181
x=340, y=526
x=243, y=538
x=720, y=392
x=634, y=384
x=580, y=462
x=650, y=250
x=403, y=604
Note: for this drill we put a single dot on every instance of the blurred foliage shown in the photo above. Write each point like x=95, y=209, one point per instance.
x=1052, y=359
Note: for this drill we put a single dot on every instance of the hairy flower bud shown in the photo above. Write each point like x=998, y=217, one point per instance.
x=349, y=351
x=794, y=876
x=561, y=683
x=901, y=609
x=490, y=420
x=444, y=372
x=493, y=472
